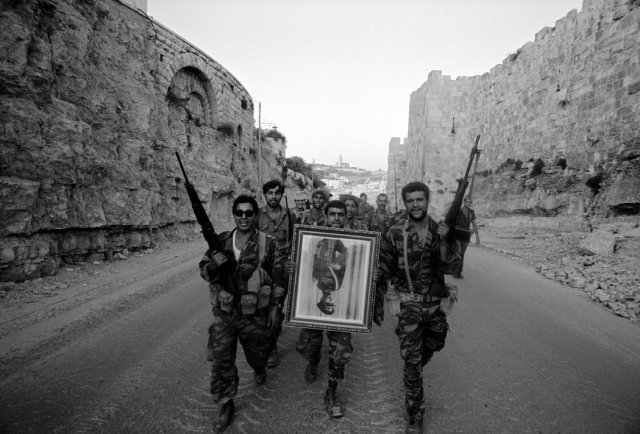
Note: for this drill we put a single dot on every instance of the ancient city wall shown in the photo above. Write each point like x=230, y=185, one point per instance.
x=95, y=99
x=572, y=93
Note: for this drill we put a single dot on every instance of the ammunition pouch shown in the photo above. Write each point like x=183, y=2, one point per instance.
x=264, y=296
x=225, y=301
x=248, y=303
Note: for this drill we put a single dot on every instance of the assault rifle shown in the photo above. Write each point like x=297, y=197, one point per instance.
x=208, y=232
x=454, y=210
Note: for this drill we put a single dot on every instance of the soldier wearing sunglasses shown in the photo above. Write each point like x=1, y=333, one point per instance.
x=248, y=312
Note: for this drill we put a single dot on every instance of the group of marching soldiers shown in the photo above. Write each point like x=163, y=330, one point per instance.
x=415, y=254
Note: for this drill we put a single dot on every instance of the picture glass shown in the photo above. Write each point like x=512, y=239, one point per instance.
x=332, y=287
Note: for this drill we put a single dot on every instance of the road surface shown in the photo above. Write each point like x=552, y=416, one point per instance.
x=125, y=352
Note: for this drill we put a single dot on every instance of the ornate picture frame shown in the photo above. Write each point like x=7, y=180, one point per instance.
x=332, y=287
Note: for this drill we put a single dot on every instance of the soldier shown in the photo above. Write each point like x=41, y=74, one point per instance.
x=466, y=218
x=419, y=289
x=315, y=216
x=363, y=207
x=248, y=311
x=379, y=219
x=300, y=201
x=351, y=203
x=310, y=340
x=277, y=221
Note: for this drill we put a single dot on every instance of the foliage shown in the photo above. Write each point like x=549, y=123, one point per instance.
x=561, y=162
x=537, y=167
x=276, y=135
x=484, y=173
x=317, y=183
x=594, y=182
x=509, y=163
x=226, y=129
x=297, y=164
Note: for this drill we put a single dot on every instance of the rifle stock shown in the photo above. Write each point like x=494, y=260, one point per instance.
x=454, y=210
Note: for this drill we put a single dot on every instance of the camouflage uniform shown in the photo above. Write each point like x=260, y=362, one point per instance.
x=310, y=220
x=465, y=217
x=230, y=325
x=422, y=326
x=310, y=340
x=364, y=209
x=282, y=231
x=379, y=221
x=354, y=223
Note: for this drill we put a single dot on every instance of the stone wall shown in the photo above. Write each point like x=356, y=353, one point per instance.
x=572, y=93
x=95, y=99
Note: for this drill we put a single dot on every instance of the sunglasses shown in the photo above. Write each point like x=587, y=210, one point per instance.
x=239, y=213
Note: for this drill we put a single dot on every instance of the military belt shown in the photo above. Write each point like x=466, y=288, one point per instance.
x=420, y=298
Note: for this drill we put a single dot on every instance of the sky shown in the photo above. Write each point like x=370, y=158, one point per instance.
x=335, y=76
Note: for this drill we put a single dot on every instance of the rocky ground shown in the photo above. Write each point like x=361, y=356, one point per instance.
x=565, y=256
x=610, y=279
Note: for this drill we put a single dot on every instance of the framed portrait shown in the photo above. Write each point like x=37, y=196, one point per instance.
x=332, y=287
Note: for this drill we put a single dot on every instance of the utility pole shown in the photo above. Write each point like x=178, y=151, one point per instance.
x=259, y=143
x=395, y=182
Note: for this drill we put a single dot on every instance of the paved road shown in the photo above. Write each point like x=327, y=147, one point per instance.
x=524, y=355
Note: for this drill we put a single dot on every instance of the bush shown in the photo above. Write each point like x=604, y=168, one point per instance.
x=226, y=129
x=561, y=162
x=297, y=164
x=509, y=163
x=276, y=135
x=537, y=167
x=594, y=182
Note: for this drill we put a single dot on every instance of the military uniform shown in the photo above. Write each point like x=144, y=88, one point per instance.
x=422, y=326
x=379, y=221
x=259, y=280
x=354, y=223
x=364, y=209
x=466, y=216
x=309, y=219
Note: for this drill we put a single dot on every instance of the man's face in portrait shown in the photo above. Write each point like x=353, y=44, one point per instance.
x=317, y=200
x=416, y=204
x=352, y=207
x=336, y=217
x=326, y=304
x=273, y=196
x=244, y=217
x=382, y=202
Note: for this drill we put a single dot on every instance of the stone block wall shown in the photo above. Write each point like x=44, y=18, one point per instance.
x=95, y=100
x=573, y=93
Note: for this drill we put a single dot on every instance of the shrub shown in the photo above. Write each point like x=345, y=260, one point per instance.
x=276, y=135
x=226, y=129
x=537, y=167
x=594, y=182
x=561, y=162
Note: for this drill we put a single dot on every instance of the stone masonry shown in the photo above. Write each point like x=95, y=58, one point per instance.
x=572, y=93
x=95, y=98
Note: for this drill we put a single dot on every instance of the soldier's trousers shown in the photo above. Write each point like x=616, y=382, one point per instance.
x=462, y=246
x=422, y=330
x=340, y=349
x=226, y=330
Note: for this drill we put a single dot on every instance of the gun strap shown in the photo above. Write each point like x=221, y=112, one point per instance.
x=405, y=236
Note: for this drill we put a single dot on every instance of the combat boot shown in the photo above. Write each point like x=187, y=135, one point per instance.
x=414, y=424
x=274, y=358
x=311, y=372
x=225, y=416
x=331, y=400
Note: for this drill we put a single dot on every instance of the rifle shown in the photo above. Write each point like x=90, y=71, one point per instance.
x=454, y=210
x=225, y=271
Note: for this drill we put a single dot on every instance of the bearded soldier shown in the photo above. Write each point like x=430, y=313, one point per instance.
x=414, y=255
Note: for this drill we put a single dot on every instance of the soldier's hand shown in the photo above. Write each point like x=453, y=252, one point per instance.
x=443, y=230
x=272, y=319
x=378, y=318
x=217, y=259
x=290, y=267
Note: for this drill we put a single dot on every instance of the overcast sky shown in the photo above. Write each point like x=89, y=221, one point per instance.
x=335, y=76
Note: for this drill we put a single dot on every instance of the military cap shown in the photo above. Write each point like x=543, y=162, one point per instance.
x=325, y=193
x=355, y=199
